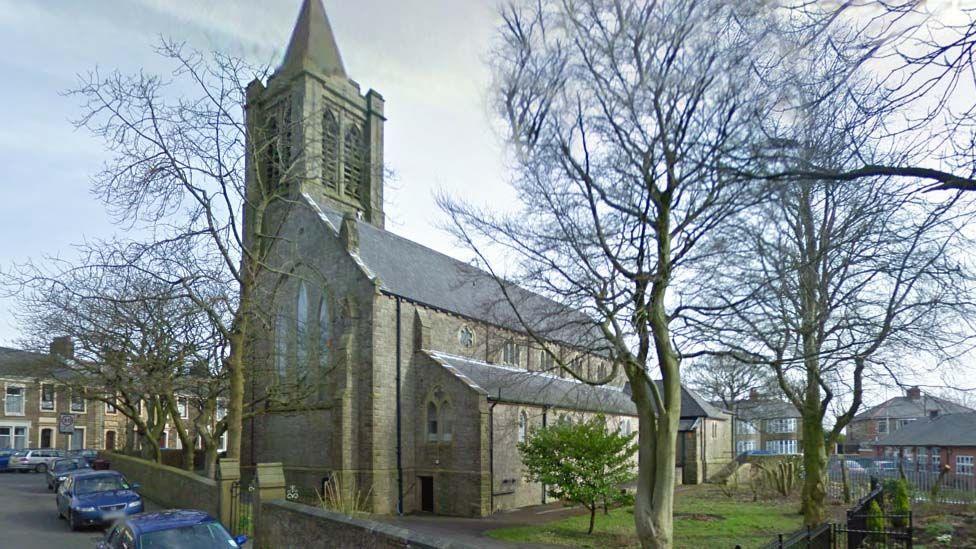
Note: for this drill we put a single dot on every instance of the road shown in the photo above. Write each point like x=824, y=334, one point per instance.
x=29, y=516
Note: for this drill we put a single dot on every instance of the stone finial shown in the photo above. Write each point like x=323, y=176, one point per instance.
x=349, y=232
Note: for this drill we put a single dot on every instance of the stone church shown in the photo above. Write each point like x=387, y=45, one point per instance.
x=386, y=365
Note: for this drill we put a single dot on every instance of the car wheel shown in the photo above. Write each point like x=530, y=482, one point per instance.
x=49, y=487
x=21, y=471
x=41, y=468
x=71, y=520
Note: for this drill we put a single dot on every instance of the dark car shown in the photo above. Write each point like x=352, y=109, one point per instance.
x=97, y=498
x=5, y=455
x=60, y=469
x=183, y=528
x=89, y=455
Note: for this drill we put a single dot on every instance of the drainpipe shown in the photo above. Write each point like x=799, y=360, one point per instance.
x=491, y=452
x=545, y=423
x=399, y=426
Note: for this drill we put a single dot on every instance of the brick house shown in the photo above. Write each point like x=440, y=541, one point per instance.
x=894, y=414
x=931, y=443
x=767, y=424
x=402, y=372
x=33, y=401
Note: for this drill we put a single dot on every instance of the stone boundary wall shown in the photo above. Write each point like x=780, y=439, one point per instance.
x=167, y=486
x=285, y=524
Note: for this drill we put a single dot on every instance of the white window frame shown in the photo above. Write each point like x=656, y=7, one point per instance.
x=165, y=444
x=71, y=403
x=511, y=353
x=185, y=412
x=744, y=427
x=23, y=399
x=783, y=426
x=54, y=402
x=84, y=436
x=882, y=423
x=54, y=435
x=110, y=408
x=742, y=446
x=222, y=447
x=935, y=455
x=523, y=425
x=964, y=465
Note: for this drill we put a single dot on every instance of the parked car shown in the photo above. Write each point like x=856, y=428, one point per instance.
x=184, y=528
x=35, y=459
x=97, y=498
x=5, y=455
x=852, y=466
x=89, y=455
x=60, y=469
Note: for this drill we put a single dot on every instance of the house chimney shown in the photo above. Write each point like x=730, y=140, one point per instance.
x=63, y=347
x=914, y=393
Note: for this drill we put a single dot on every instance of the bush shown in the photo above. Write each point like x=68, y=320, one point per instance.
x=875, y=522
x=901, y=504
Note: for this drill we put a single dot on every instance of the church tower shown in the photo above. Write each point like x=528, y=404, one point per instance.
x=310, y=130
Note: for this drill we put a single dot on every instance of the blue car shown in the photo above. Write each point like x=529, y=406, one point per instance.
x=183, y=528
x=97, y=498
x=5, y=458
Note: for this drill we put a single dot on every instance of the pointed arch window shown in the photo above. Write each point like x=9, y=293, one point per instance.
x=330, y=150
x=431, y=422
x=301, y=330
x=447, y=422
x=272, y=156
x=353, y=161
x=523, y=422
x=324, y=332
x=281, y=347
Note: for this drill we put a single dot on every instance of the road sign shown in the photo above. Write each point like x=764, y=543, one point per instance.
x=66, y=423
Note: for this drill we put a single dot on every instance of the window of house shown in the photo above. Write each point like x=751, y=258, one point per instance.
x=905, y=422
x=714, y=430
x=781, y=425
x=936, y=459
x=301, y=331
x=745, y=428
x=882, y=426
x=744, y=446
x=77, y=441
x=964, y=465
x=431, y=422
x=222, y=447
x=626, y=427
x=281, y=347
x=47, y=397
x=164, y=439
x=13, y=437
x=182, y=408
x=511, y=353
x=446, y=422
x=13, y=405
x=933, y=413
x=221, y=410
x=522, y=422
x=110, y=405
x=77, y=401
x=781, y=446
x=923, y=456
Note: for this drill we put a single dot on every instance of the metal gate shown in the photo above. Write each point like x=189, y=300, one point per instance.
x=241, y=509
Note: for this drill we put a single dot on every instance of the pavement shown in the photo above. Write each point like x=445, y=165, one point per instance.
x=29, y=516
x=472, y=531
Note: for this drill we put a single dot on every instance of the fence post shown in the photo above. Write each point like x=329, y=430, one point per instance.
x=270, y=486
x=228, y=471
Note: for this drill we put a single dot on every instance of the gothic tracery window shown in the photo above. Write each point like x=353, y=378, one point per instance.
x=330, y=150
x=431, y=422
x=446, y=422
x=301, y=330
x=281, y=346
x=353, y=161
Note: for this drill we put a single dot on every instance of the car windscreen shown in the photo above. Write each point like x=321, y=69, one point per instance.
x=100, y=484
x=65, y=465
x=21, y=453
x=5, y=453
x=197, y=536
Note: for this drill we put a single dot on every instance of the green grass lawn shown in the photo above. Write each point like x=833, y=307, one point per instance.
x=703, y=518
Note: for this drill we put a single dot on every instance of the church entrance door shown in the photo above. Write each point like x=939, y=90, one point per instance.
x=427, y=494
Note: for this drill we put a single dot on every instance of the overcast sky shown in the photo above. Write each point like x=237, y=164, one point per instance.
x=426, y=57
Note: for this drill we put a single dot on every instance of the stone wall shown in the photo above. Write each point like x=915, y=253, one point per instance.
x=168, y=486
x=283, y=524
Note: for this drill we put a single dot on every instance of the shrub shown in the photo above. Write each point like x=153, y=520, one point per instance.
x=901, y=504
x=875, y=522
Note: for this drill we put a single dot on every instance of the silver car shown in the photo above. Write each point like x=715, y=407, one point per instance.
x=37, y=460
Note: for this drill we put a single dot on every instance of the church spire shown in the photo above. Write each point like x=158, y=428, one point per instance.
x=313, y=46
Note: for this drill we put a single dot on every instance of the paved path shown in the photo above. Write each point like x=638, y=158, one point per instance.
x=29, y=516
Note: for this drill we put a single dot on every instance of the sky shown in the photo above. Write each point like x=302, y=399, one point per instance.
x=426, y=57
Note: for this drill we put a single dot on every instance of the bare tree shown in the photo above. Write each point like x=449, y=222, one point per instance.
x=724, y=379
x=626, y=119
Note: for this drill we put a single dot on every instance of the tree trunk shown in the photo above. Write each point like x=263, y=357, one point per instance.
x=815, y=466
x=235, y=401
x=592, y=516
x=210, y=459
x=845, y=481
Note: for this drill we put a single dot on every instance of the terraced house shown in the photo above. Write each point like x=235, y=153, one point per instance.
x=33, y=400
x=400, y=371
x=767, y=424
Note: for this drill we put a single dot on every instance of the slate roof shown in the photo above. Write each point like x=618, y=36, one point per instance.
x=944, y=430
x=19, y=363
x=422, y=275
x=905, y=407
x=506, y=384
